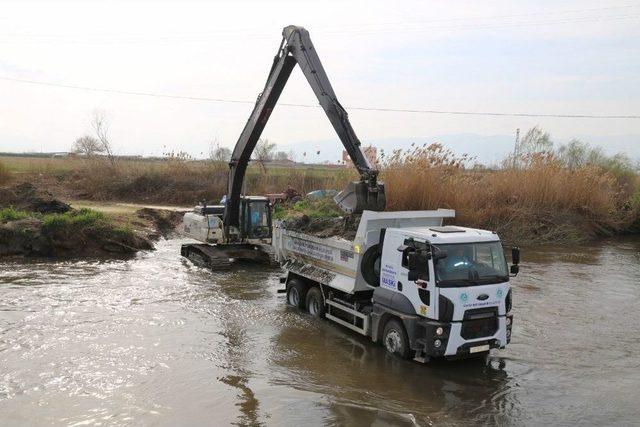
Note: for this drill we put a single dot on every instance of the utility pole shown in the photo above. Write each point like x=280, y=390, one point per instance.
x=515, y=148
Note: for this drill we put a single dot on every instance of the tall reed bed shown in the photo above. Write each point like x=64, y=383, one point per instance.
x=542, y=199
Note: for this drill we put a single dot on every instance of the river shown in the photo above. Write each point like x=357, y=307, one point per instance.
x=156, y=340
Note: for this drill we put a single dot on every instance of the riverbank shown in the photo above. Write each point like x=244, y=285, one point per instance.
x=33, y=223
x=537, y=198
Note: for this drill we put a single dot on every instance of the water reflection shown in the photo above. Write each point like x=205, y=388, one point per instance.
x=363, y=379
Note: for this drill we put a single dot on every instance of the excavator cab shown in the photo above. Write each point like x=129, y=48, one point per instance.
x=255, y=218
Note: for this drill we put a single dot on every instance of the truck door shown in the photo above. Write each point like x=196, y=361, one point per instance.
x=394, y=275
x=421, y=292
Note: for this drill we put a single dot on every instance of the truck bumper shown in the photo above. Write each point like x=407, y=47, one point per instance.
x=428, y=343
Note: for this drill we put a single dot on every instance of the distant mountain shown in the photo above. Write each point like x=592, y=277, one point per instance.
x=487, y=149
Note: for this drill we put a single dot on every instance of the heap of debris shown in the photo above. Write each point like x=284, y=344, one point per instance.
x=343, y=226
x=25, y=196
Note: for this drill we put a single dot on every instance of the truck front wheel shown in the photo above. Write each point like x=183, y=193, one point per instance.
x=395, y=340
x=315, y=302
x=297, y=293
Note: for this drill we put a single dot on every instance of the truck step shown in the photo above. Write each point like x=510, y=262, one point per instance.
x=364, y=329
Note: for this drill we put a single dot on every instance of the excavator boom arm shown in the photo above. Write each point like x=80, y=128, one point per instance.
x=296, y=47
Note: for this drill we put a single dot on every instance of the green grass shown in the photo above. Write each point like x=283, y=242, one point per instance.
x=73, y=220
x=11, y=214
x=313, y=208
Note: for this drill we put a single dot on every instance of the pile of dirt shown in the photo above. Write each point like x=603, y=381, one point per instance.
x=26, y=196
x=344, y=226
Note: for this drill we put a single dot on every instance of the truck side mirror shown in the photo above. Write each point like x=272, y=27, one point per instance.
x=515, y=255
x=418, y=265
x=418, y=261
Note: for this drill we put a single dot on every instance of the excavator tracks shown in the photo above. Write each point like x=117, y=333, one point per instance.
x=220, y=257
x=207, y=256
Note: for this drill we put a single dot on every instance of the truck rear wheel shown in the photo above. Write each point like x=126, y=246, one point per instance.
x=395, y=340
x=297, y=293
x=315, y=302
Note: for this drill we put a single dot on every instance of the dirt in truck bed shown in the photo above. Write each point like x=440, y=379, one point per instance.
x=344, y=226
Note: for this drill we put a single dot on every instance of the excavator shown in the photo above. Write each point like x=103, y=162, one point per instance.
x=240, y=229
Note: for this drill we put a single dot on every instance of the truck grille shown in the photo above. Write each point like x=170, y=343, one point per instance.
x=479, y=323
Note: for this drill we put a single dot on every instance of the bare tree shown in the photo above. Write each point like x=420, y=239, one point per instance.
x=574, y=154
x=100, y=126
x=217, y=153
x=263, y=152
x=87, y=145
x=536, y=140
x=281, y=156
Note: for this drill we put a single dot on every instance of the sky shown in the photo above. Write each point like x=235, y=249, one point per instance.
x=543, y=57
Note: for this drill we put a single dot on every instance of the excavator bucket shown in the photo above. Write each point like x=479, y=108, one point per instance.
x=358, y=197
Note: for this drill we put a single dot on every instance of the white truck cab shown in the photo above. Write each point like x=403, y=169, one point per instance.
x=456, y=280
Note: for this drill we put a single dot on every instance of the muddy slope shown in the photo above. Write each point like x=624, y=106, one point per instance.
x=35, y=224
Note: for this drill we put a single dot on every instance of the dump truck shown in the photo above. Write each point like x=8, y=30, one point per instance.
x=422, y=289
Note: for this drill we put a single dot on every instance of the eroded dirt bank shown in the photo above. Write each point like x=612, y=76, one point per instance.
x=33, y=223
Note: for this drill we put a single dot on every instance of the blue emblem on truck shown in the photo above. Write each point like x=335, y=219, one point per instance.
x=464, y=297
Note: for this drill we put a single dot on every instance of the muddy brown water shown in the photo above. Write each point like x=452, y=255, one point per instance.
x=158, y=341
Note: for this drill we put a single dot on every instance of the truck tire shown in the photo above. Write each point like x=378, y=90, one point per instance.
x=395, y=340
x=370, y=265
x=315, y=303
x=297, y=293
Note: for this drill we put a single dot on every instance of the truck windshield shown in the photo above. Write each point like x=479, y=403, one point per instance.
x=471, y=264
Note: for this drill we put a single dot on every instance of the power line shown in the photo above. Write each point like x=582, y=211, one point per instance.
x=286, y=104
x=397, y=26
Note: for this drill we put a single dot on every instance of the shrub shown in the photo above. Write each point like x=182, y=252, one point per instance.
x=11, y=214
x=72, y=221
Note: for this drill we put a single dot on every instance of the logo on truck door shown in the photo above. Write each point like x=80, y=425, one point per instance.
x=388, y=276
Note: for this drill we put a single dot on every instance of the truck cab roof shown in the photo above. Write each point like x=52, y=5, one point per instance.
x=448, y=234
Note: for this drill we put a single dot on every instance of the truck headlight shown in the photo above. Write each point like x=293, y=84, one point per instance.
x=508, y=321
x=507, y=302
x=439, y=331
x=437, y=343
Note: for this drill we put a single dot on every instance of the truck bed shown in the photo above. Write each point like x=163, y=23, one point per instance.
x=335, y=261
